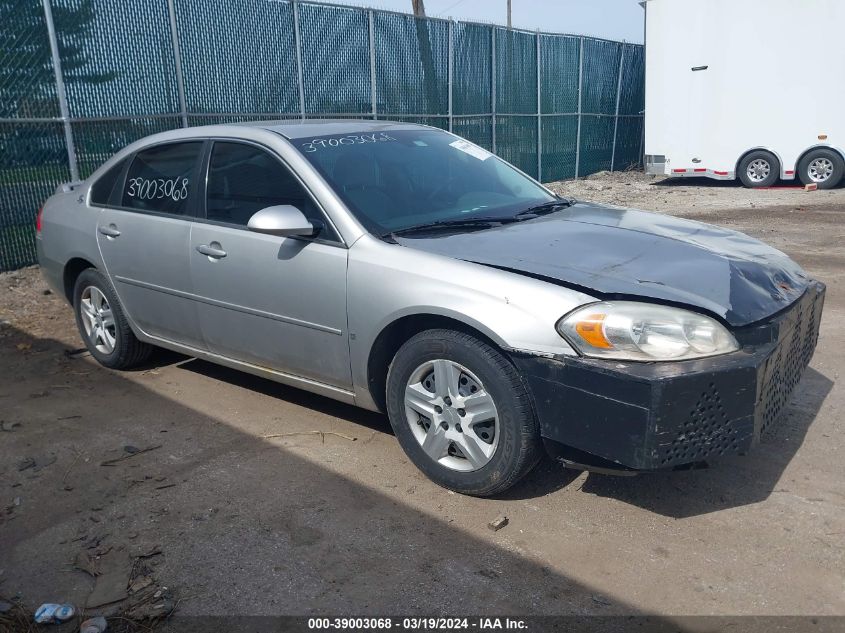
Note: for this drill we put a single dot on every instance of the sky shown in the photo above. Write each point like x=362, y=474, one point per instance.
x=611, y=19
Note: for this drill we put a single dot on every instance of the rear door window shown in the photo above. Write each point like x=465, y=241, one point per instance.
x=163, y=178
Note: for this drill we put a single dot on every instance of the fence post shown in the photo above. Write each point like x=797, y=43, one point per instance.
x=297, y=40
x=177, y=59
x=580, y=94
x=451, y=70
x=616, y=118
x=493, y=84
x=539, y=115
x=373, y=96
x=64, y=111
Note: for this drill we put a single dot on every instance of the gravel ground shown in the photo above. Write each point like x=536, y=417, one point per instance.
x=342, y=523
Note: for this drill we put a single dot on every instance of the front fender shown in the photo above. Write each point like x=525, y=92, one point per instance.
x=387, y=282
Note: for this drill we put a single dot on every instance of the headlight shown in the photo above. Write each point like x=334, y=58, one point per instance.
x=629, y=330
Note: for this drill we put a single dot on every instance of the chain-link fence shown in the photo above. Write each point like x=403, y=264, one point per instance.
x=79, y=79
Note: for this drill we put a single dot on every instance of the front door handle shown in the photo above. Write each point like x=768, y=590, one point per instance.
x=109, y=231
x=213, y=250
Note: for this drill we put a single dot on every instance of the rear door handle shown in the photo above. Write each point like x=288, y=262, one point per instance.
x=109, y=231
x=212, y=250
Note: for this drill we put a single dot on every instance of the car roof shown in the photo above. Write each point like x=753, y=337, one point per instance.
x=303, y=128
x=286, y=128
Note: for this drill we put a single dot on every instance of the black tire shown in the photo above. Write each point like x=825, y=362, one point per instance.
x=128, y=351
x=765, y=158
x=518, y=448
x=807, y=167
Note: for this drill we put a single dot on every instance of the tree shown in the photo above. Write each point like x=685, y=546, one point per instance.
x=27, y=79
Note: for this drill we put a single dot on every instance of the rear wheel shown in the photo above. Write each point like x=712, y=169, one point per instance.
x=822, y=167
x=759, y=169
x=461, y=413
x=103, y=325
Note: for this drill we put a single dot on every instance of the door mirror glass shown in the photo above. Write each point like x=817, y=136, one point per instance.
x=284, y=220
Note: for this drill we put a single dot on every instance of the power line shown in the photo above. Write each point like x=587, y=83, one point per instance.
x=449, y=8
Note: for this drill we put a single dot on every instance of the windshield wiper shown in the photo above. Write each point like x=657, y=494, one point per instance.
x=483, y=223
x=545, y=208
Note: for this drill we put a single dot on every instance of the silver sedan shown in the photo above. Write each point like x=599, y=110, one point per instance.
x=403, y=269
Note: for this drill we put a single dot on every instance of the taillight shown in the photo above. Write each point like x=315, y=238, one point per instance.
x=38, y=221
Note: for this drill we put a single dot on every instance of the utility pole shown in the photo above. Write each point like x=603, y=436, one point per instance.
x=426, y=55
x=509, y=13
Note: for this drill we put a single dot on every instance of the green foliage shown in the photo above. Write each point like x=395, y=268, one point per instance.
x=27, y=80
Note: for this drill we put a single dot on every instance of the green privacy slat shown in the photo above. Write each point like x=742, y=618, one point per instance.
x=438, y=122
x=219, y=119
x=559, y=71
x=596, y=152
x=559, y=134
x=97, y=141
x=27, y=81
x=628, y=143
x=411, y=64
x=33, y=161
x=350, y=117
x=121, y=63
x=237, y=55
x=632, y=99
x=479, y=130
x=335, y=59
x=516, y=72
x=239, y=63
x=601, y=76
x=516, y=141
x=471, y=78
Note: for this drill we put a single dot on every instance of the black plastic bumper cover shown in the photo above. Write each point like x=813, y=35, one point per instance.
x=652, y=416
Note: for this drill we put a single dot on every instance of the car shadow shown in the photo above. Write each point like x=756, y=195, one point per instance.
x=369, y=419
x=238, y=524
x=729, y=482
x=719, y=485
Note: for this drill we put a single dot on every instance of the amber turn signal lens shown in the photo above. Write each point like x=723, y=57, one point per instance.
x=590, y=329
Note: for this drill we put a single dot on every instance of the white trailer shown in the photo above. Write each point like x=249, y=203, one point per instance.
x=748, y=89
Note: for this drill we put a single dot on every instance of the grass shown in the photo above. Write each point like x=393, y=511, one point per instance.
x=50, y=175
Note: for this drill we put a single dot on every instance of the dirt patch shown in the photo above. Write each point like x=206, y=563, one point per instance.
x=693, y=196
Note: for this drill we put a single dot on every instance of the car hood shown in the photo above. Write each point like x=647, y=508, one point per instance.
x=635, y=254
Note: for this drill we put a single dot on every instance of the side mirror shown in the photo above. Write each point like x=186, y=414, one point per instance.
x=284, y=220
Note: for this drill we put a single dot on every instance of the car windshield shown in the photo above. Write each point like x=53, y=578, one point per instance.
x=398, y=179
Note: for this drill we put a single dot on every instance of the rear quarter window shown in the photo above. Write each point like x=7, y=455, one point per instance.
x=104, y=191
x=162, y=178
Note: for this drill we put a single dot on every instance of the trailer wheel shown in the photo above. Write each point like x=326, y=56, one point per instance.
x=822, y=167
x=759, y=169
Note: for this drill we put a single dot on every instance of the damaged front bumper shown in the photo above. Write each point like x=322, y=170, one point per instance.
x=615, y=415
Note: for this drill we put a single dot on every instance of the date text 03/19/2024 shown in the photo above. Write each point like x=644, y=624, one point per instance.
x=419, y=623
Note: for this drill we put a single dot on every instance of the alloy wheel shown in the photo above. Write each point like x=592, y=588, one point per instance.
x=98, y=319
x=820, y=169
x=758, y=170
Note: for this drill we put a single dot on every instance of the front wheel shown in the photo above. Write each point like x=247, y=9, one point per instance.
x=462, y=413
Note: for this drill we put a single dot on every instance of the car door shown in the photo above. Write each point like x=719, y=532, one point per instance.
x=277, y=302
x=144, y=238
